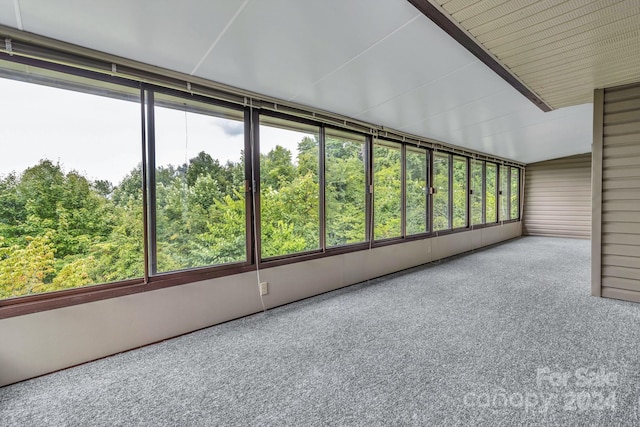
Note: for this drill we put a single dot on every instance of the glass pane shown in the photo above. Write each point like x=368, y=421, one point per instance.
x=200, y=209
x=345, y=190
x=476, y=189
x=416, y=190
x=387, y=190
x=441, y=196
x=289, y=189
x=491, y=193
x=504, y=193
x=70, y=184
x=515, y=173
x=459, y=192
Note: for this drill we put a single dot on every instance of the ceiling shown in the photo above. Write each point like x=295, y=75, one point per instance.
x=562, y=50
x=379, y=61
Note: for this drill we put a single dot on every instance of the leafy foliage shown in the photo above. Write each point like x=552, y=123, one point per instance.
x=59, y=230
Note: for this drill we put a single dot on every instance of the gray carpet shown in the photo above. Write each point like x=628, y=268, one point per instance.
x=483, y=339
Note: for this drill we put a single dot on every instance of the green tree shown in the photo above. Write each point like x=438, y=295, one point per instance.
x=345, y=191
x=459, y=187
x=441, y=206
x=416, y=191
x=289, y=205
x=276, y=169
x=387, y=184
x=23, y=270
x=491, y=192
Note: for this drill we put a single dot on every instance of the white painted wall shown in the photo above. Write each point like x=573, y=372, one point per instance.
x=40, y=343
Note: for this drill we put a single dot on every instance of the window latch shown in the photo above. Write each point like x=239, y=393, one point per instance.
x=8, y=46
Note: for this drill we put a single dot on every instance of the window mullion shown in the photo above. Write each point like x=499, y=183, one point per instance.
x=143, y=145
x=321, y=183
x=403, y=190
x=150, y=158
x=369, y=188
x=484, y=192
x=430, y=187
x=450, y=192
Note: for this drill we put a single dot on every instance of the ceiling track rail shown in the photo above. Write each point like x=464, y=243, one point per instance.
x=42, y=49
x=460, y=35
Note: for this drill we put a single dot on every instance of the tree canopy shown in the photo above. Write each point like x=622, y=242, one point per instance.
x=60, y=230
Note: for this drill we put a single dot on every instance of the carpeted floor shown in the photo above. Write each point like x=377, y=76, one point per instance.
x=505, y=336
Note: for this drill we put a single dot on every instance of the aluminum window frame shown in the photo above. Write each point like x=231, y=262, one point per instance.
x=257, y=193
x=52, y=300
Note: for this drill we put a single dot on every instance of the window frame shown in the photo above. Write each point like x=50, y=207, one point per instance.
x=151, y=182
x=502, y=196
x=517, y=213
x=451, y=191
x=273, y=260
x=449, y=186
x=428, y=192
x=368, y=196
x=483, y=195
x=402, y=148
x=496, y=192
x=63, y=298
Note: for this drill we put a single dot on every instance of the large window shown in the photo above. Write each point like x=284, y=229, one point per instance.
x=417, y=172
x=459, y=192
x=515, y=183
x=96, y=188
x=70, y=184
x=200, y=207
x=491, y=193
x=477, y=192
x=504, y=193
x=387, y=189
x=441, y=201
x=289, y=187
x=346, y=188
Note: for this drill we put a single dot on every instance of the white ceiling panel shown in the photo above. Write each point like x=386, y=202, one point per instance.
x=380, y=61
x=166, y=33
x=516, y=135
x=562, y=133
x=482, y=110
x=8, y=14
x=364, y=83
x=509, y=122
x=467, y=84
x=283, y=47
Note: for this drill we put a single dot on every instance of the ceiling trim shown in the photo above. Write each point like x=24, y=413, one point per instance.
x=469, y=43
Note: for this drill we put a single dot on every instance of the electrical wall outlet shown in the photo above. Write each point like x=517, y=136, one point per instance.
x=264, y=288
